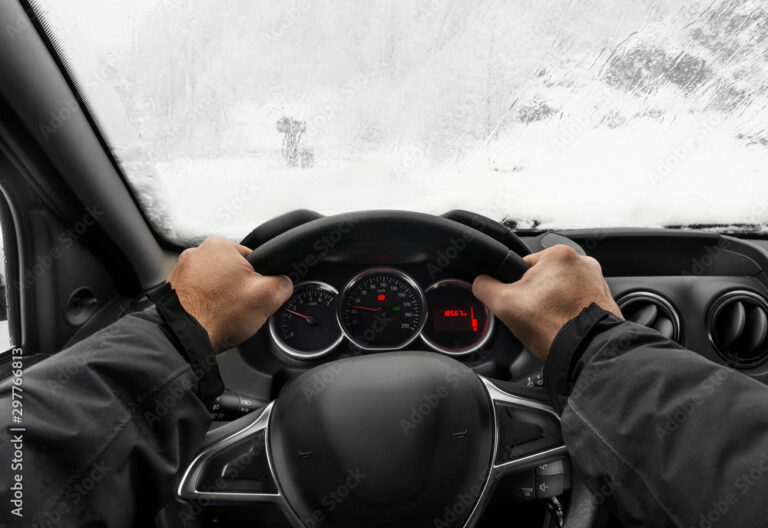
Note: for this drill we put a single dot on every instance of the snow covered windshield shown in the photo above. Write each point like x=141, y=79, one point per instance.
x=549, y=113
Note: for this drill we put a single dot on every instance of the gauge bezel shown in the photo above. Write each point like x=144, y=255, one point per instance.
x=298, y=354
x=360, y=276
x=462, y=351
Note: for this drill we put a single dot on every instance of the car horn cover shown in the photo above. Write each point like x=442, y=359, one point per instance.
x=400, y=439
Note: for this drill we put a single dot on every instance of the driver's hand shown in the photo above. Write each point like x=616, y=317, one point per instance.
x=558, y=286
x=218, y=287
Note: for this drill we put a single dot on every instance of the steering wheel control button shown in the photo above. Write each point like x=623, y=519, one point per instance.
x=550, y=468
x=305, y=326
x=523, y=430
x=240, y=468
x=551, y=479
x=457, y=323
x=384, y=438
x=520, y=485
x=542, y=482
x=382, y=309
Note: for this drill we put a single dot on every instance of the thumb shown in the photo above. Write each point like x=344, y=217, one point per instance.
x=269, y=293
x=490, y=292
x=502, y=299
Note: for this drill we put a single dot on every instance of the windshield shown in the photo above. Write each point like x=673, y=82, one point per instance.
x=543, y=112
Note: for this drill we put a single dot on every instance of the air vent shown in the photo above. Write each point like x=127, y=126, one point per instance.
x=738, y=328
x=653, y=311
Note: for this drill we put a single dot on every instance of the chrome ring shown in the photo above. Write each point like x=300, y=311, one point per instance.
x=393, y=271
x=463, y=351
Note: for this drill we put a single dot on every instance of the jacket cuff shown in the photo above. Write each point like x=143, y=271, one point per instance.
x=192, y=341
x=570, y=347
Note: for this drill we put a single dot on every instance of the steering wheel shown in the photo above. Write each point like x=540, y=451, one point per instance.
x=390, y=439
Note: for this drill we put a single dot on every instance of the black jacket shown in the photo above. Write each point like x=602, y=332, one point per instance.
x=107, y=423
x=668, y=436
x=673, y=439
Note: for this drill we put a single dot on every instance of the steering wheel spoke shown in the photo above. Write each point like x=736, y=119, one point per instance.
x=235, y=467
x=529, y=451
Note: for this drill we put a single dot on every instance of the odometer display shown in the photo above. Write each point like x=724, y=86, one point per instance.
x=458, y=323
x=381, y=309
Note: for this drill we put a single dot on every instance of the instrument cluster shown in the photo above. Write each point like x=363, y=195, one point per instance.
x=379, y=309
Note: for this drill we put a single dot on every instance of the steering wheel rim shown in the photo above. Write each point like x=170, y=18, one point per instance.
x=299, y=248
x=478, y=254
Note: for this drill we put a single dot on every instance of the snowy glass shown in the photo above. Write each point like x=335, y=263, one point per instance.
x=544, y=113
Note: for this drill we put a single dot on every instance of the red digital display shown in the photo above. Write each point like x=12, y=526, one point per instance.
x=382, y=296
x=455, y=319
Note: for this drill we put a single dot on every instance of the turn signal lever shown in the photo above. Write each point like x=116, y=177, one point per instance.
x=231, y=405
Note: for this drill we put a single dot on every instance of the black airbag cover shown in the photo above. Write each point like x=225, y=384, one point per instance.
x=398, y=439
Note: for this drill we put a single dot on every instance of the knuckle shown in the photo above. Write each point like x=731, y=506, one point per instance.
x=186, y=254
x=591, y=261
x=564, y=252
x=215, y=240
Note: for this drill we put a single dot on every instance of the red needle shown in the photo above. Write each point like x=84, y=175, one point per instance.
x=297, y=313
x=366, y=308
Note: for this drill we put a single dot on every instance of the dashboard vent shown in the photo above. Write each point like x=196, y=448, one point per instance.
x=738, y=328
x=653, y=311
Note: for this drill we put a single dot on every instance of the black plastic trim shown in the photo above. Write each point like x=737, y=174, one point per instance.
x=12, y=269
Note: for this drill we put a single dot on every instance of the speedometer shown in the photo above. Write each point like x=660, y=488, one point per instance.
x=381, y=309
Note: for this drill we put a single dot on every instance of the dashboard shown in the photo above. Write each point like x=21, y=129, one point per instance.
x=406, y=292
x=706, y=291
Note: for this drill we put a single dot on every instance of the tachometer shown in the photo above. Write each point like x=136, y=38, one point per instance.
x=381, y=309
x=305, y=326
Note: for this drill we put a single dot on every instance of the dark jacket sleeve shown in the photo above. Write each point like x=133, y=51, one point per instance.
x=108, y=423
x=667, y=436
